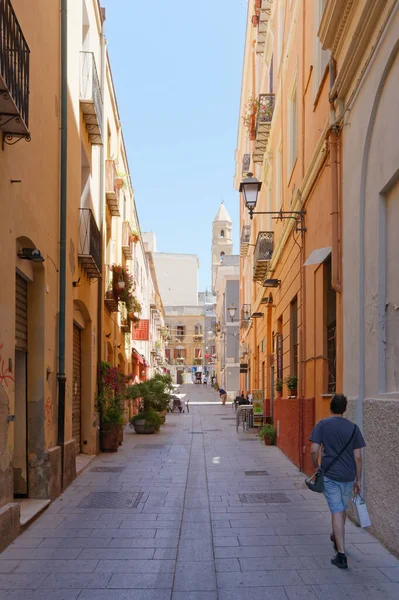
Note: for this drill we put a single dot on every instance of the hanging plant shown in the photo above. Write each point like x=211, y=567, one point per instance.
x=251, y=109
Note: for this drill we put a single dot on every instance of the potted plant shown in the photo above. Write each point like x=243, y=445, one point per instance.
x=292, y=384
x=134, y=236
x=255, y=20
x=110, y=401
x=155, y=397
x=279, y=386
x=146, y=422
x=268, y=433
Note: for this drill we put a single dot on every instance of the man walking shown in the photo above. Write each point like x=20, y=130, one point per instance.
x=223, y=395
x=338, y=437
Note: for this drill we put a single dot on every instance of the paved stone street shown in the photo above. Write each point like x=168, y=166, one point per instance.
x=194, y=513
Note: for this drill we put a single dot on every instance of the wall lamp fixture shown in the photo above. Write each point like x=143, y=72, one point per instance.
x=32, y=254
x=250, y=188
x=271, y=283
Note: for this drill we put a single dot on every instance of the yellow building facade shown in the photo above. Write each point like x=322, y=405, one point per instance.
x=69, y=229
x=291, y=322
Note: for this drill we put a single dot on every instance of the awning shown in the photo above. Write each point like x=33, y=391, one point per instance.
x=318, y=256
x=137, y=356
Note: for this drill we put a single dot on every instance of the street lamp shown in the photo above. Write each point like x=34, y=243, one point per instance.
x=232, y=312
x=250, y=189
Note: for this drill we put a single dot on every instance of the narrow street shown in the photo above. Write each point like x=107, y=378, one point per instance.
x=196, y=512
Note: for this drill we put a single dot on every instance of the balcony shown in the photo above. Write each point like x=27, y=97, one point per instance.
x=264, y=118
x=263, y=23
x=245, y=315
x=245, y=237
x=263, y=255
x=90, y=244
x=126, y=324
x=91, y=100
x=127, y=243
x=111, y=299
x=198, y=338
x=14, y=76
x=246, y=164
x=111, y=188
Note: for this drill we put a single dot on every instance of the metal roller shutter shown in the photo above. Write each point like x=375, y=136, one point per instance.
x=76, y=405
x=21, y=314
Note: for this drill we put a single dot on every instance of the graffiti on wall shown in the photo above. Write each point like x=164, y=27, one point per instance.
x=6, y=376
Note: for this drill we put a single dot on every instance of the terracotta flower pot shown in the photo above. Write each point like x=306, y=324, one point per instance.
x=109, y=437
x=255, y=20
x=117, y=269
x=267, y=440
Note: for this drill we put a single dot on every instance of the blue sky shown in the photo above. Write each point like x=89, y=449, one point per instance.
x=177, y=71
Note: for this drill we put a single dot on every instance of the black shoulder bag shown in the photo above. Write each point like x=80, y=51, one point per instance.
x=316, y=482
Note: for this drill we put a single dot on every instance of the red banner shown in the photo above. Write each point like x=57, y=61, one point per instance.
x=142, y=331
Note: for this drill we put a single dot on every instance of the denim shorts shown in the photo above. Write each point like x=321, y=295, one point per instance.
x=338, y=494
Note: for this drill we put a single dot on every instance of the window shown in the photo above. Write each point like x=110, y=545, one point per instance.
x=330, y=328
x=167, y=354
x=271, y=76
x=321, y=57
x=222, y=233
x=180, y=353
x=213, y=349
x=198, y=330
x=279, y=177
x=279, y=33
x=198, y=353
x=180, y=330
x=292, y=121
x=221, y=257
x=262, y=346
x=294, y=337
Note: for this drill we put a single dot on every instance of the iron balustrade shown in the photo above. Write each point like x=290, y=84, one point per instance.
x=246, y=162
x=265, y=109
x=14, y=72
x=90, y=244
x=90, y=94
x=263, y=255
x=245, y=314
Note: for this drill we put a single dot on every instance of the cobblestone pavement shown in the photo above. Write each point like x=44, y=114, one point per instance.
x=194, y=513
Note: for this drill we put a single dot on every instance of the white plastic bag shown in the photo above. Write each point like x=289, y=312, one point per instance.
x=361, y=513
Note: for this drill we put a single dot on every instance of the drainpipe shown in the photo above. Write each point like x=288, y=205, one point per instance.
x=333, y=141
x=61, y=376
x=101, y=287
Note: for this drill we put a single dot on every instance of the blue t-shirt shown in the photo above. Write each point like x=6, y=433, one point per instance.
x=333, y=433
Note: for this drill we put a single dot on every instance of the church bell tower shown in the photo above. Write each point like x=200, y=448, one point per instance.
x=222, y=242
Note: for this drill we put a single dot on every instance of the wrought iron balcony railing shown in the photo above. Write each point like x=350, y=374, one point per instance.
x=127, y=243
x=263, y=22
x=90, y=244
x=91, y=99
x=246, y=164
x=263, y=122
x=245, y=315
x=263, y=255
x=245, y=238
x=111, y=189
x=14, y=76
x=111, y=300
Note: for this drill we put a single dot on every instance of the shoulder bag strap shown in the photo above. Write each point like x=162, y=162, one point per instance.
x=334, y=460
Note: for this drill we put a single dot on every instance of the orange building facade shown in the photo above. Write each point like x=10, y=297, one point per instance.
x=290, y=273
